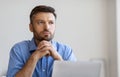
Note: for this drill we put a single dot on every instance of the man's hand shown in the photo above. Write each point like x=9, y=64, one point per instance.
x=45, y=48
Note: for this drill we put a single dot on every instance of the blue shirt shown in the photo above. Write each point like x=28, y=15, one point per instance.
x=21, y=51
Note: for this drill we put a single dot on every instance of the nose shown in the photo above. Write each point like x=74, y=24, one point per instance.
x=47, y=26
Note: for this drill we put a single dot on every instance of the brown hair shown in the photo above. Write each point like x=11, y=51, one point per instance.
x=42, y=8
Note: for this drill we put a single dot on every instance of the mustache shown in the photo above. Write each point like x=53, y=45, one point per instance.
x=45, y=30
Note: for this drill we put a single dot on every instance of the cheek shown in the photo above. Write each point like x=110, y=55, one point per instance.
x=39, y=29
x=53, y=30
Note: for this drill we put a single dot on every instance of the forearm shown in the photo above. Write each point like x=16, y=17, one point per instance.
x=58, y=57
x=28, y=69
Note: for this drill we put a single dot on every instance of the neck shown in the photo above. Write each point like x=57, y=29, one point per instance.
x=36, y=42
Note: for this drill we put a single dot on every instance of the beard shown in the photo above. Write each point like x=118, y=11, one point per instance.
x=45, y=38
x=41, y=36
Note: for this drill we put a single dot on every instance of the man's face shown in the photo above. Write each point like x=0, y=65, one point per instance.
x=43, y=26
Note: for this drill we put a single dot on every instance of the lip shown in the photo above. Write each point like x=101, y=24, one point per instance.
x=46, y=32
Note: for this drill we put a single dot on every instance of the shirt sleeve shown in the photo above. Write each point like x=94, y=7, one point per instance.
x=15, y=62
x=69, y=55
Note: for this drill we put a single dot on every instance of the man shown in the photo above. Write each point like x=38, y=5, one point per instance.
x=35, y=58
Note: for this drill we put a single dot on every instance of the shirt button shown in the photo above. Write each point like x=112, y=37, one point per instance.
x=43, y=70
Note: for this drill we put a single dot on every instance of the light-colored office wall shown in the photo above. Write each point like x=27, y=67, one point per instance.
x=118, y=35
x=112, y=44
x=83, y=24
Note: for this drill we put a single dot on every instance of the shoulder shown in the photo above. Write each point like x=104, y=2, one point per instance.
x=20, y=46
x=22, y=43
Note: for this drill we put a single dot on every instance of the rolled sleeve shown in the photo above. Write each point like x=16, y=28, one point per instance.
x=15, y=62
x=68, y=54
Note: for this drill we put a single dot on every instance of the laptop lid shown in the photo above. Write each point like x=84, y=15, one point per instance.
x=76, y=69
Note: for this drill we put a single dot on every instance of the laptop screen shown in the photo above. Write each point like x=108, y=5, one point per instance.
x=76, y=69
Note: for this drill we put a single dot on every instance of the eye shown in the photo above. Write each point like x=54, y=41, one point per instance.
x=51, y=22
x=40, y=22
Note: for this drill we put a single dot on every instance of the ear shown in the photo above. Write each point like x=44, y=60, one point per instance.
x=31, y=27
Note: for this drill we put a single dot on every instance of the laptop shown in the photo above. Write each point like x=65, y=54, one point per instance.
x=76, y=69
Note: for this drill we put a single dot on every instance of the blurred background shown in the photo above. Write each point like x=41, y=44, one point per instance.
x=90, y=27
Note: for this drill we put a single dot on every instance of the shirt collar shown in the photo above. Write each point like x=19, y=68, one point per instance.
x=32, y=45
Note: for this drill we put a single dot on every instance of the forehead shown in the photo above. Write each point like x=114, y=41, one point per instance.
x=44, y=16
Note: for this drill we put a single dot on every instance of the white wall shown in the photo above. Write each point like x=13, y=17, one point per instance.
x=118, y=35
x=83, y=24
x=112, y=44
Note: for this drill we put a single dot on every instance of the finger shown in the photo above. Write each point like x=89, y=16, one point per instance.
x=44, y=42
x=43, y=53
x=48, y=53
x=43, y=45
x=47, y=48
